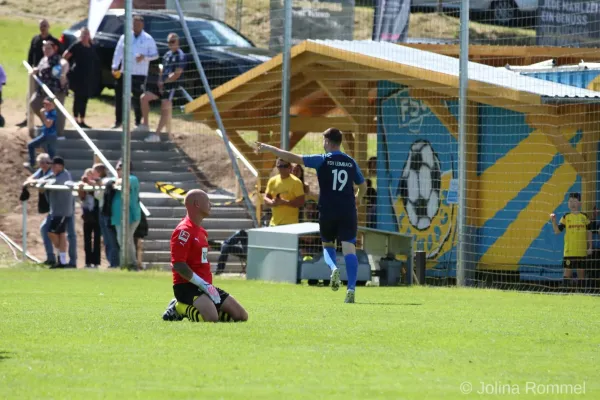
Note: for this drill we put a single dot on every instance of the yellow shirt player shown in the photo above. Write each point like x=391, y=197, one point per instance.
x=285, y=195
x=578, y=237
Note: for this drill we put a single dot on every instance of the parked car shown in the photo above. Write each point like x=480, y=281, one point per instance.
x=503, y=12
x=224, y=52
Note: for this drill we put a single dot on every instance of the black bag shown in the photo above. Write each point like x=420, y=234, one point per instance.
x=24, y=194
x=43, y=203
x=142, y=229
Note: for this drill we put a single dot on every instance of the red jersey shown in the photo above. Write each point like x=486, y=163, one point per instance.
x=189, y=244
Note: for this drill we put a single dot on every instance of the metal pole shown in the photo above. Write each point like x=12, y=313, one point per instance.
x=285, y=79
x=238, y=15
x=24, y=207
x=215, y=110
x=462, y=144
x=126, y=150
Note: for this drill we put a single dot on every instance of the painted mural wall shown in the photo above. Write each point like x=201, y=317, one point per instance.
x=521, y=180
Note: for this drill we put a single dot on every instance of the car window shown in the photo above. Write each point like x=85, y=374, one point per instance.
x=159, y=28
x=215, y=33
x=111, y=24
x=79, y=25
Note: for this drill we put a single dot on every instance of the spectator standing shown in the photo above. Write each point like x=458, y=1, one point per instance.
x=371, y=195
x=173, y=65
x=91, y=223
x=82, y=75
x=108, y=232
x=284, y=195
x=61, y=211
x=36, y=52
x=47, y=138
x=143, y=50
x=134, y=212
x=44, y=162
x=52, y=71
x=578, y=239
x=2, y=83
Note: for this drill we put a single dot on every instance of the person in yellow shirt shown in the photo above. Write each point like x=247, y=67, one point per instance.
x=284, y=195
x=578, y=237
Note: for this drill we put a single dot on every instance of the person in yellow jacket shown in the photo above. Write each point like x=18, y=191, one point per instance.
x=284, y=195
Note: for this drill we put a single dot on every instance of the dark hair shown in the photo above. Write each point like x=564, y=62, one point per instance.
x=301, y=170
x=120, y=163
x=334, y=135
x=575, y=195
x=101, y=168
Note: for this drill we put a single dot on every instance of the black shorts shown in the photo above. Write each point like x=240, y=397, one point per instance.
x=188, y=292
x=167, y=94
x=574, y=262
x=58, y=225
x=341, y=228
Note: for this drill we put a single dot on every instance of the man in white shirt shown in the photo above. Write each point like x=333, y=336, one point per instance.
x=143, y=49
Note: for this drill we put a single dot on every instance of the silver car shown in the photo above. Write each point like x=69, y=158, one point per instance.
x=504, y=12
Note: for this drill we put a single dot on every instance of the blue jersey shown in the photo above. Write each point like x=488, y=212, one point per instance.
x=50, y=116
x=337, y=173
x=172, y=61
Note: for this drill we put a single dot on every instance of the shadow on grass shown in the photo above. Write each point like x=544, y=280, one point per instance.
x=389, y=304
x=5, y=355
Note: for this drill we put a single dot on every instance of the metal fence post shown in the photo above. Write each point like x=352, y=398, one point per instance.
x=285, y=80
x=461, y=260
x=24, y=223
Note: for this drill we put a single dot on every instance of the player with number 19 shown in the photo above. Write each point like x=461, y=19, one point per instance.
x=337, y=173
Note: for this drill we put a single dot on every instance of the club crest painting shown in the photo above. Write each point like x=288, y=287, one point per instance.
x=416, y=163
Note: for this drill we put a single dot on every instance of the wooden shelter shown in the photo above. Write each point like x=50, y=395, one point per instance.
x=334, y=83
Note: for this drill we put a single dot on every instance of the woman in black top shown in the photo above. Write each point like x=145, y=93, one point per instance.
x=82, y=56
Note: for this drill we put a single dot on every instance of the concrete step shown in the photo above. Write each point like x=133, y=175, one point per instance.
x=142, y=165
x=215, y=212
x=208, y=224
x=151, y=176
x=107, y=134
x=164, y=256
x=136, y=155
x=103, y=145
x=165, y=234
x=233, y=266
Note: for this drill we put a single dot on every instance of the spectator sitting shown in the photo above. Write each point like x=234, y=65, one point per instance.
x=61, y=211
x=36, y=52
x=44, y=161
x=170, y=71
x=236, y=244
x=91, y=222
x=47, y=138
x=52, y=71
x=2, y=83
x=284, y=195
x=83, y=56
x=134, y=213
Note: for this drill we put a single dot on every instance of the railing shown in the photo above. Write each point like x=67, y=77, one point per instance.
x=72, y=120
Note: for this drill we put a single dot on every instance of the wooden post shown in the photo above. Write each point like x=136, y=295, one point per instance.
x=472, y=130
x=367, y=113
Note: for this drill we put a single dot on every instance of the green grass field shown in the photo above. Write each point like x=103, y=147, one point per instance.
x=99, y=334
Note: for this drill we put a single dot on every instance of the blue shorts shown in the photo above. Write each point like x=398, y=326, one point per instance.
x=341, y=228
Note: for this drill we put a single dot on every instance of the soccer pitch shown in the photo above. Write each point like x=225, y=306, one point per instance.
x=99, y=334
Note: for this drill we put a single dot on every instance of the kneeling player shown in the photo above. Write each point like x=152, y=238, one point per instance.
x=195, y=296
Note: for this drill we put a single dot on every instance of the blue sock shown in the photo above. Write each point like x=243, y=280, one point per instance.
x=351, y=270
x=329, y=253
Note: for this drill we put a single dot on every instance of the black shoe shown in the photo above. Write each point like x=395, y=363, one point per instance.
x=57, y=266
x=85, y=126
x=22, y=124
x=48, y=262
x=117, y=125
x=70, y=266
